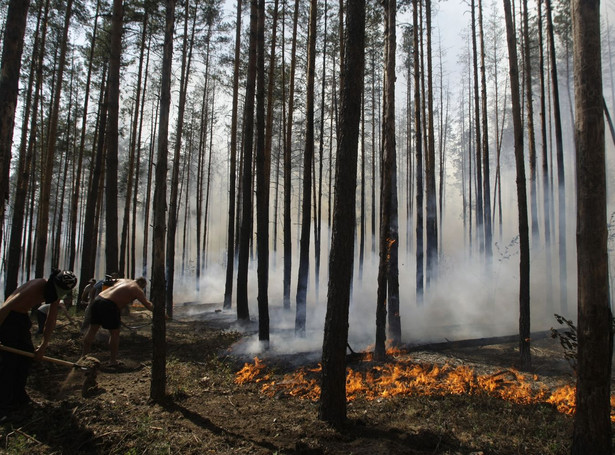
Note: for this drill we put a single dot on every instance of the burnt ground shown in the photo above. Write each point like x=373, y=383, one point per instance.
x=208, y=412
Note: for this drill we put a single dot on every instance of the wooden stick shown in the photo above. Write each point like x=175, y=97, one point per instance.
x=31, y=354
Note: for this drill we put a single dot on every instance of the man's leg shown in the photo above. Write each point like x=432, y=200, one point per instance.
x=89, y=338
x=114, y=344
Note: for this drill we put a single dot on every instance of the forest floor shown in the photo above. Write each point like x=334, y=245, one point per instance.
x=208, y=411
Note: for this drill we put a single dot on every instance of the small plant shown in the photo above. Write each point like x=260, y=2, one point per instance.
x=568, y=340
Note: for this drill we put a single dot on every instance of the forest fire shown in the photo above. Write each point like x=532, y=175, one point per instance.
x=403, y=377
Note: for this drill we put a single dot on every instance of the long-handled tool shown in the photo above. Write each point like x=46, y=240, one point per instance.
x=66, y=363
x=89, y=386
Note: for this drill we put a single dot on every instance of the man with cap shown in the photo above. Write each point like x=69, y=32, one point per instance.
x=15, y=327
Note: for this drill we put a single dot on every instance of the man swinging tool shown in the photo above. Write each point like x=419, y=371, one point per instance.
x=15, y=327
x=106, y=312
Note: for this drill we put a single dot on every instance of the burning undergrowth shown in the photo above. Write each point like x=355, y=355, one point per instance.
x=404, y=375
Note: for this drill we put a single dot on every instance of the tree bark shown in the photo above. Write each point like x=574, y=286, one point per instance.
x=243, y=312
x=112, y=137
x=158, y=385
x=592, y=425
x=524, y=247
x=308, y=157
x=12, y=49
x=42, y=225
x=333, y=387
x=262, y=185
x=230, y=250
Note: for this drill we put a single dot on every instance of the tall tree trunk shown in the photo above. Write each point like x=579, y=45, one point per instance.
x=159, y=358
x=418, y=128
x=480, y=213
x=111, y=141
x=287, y=165
x=230, y=249
x=42, y=225
x=308, y=157
x=546, y=187
x=559, y=143
x=243, y=312
x=524, y=246
x=9, y=86
x=592, y=424
x=77, y=189
x=173, y=200
x=388, y=280
x=333, y=387
x=26, y=154
x=530, y=124
x=485, y=144
x=262, y=183
x=90, y=226
x=148, y=191
x=318, y=194
x=133, y=150
x=430, y=163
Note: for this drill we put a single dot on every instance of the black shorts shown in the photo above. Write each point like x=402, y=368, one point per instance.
x=106, y=313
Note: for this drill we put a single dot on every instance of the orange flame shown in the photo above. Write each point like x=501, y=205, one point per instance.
x=406, y=378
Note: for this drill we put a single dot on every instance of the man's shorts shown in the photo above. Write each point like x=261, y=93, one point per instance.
x=105, y=313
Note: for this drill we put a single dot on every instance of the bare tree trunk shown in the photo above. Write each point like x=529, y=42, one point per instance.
x=77, y=190
x=173, y=200
x=111, y=141
x=159, y=357
x=485, y=144
x=418, y=128
x=480, y=214
x=333, y=388
x=530, y=125
x=230, y=255
x=546, y=187
x=9, y=86
x=26, y=156
x=133, y=147
x=592, y=424
x=308, y=157
x=262, y=182
x=42, y=224
x=524, y=247
x=388, y=280
x=287, y=165
x=559, y=143
x=90, y=226
x=243, y=312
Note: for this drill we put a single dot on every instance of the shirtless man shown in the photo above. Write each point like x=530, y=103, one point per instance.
x=106, y=311
x=15, y=326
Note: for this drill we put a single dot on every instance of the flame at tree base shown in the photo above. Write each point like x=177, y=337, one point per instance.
x=406, y=378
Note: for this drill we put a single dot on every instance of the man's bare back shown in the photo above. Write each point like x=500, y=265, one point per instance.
x=26, y=296
x=123, y=292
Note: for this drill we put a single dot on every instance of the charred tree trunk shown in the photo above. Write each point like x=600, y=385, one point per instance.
x=524, y=246
x=418, y=128
x=243, y=312
x=333, y=388
x=287, y=165
x=159, y=357
x=308, y=157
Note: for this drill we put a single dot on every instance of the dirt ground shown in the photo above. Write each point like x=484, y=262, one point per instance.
x=207, y=411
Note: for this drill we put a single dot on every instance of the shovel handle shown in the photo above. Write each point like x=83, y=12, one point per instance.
x=31, y=355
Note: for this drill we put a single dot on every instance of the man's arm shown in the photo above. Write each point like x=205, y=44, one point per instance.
x=141, y=298
x=50, y=324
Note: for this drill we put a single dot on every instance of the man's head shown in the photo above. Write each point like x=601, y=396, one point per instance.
x=59, y=285
x=142, y=282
